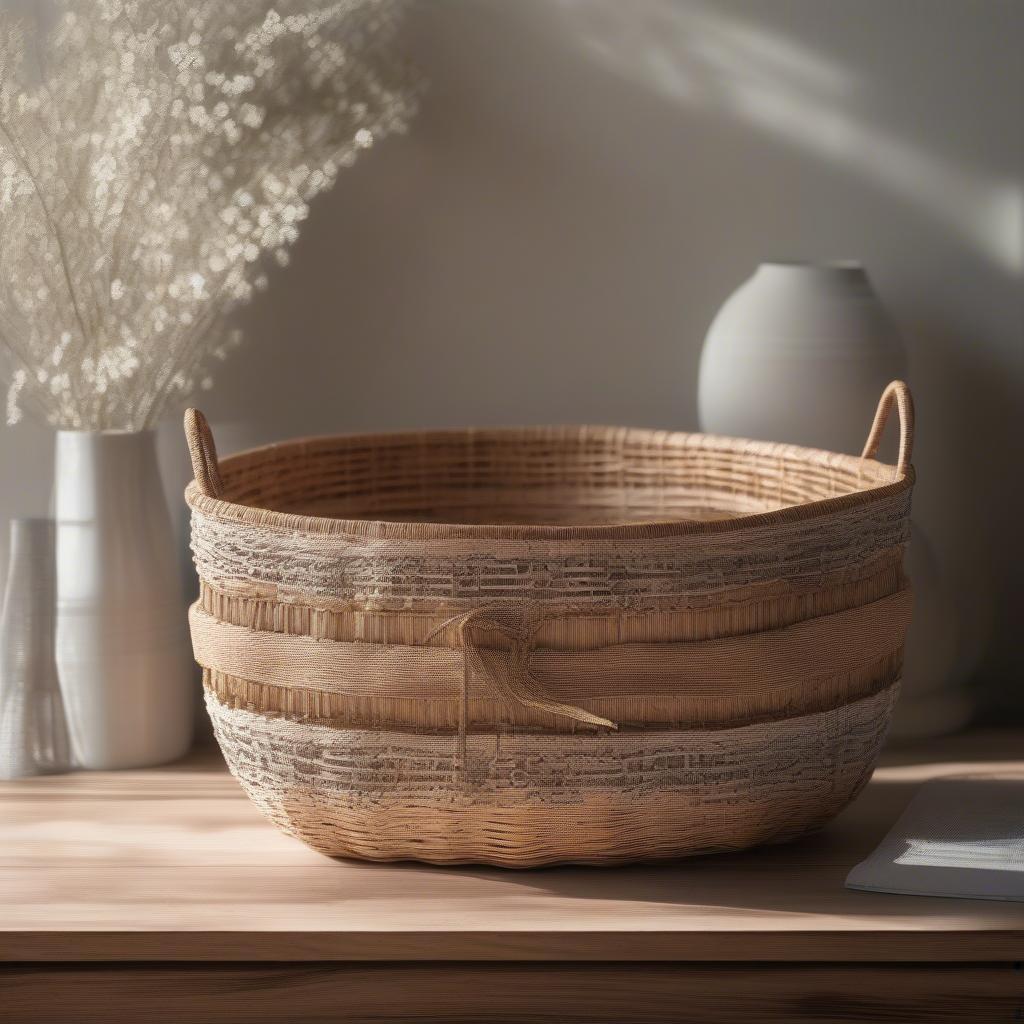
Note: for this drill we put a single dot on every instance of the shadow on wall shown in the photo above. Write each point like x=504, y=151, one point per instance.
x=970, y=405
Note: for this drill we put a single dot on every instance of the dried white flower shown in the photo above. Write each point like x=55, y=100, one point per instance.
x=150, y=161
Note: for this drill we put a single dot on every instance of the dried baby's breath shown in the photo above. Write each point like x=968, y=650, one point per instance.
x=153, y=154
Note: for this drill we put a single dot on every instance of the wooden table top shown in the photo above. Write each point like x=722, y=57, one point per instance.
x=176, y=864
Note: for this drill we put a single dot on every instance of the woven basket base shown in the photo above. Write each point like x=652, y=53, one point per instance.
x=529, y=800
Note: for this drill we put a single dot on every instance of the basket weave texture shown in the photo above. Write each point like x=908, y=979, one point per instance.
x=545, y=645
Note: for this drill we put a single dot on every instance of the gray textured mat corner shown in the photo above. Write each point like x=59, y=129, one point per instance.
x=961, y=836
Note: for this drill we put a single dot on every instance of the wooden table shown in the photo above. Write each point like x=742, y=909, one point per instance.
x=163, y=896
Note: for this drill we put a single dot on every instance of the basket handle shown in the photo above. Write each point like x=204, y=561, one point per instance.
x=896, y=392
x=204, y=454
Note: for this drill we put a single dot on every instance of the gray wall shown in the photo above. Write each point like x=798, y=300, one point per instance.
x=587, y=182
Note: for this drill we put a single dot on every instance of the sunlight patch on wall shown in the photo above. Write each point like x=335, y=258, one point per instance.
x=689, y=53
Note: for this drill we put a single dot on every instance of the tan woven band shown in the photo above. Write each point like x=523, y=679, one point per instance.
x=821, y=646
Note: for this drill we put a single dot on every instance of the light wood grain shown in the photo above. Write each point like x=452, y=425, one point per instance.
x=753, y=994
x=175, y=864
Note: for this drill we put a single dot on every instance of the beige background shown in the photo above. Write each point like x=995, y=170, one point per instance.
x=589, y=179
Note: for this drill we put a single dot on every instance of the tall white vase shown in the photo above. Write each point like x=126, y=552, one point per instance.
x=122, y=648
x=800, y=352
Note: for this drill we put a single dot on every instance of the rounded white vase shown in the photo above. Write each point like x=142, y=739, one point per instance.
x=800, y=353
x=121, y=644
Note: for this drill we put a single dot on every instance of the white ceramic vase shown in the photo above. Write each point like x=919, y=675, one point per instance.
x=122, y=648
x=33, y=732
x=800, y=353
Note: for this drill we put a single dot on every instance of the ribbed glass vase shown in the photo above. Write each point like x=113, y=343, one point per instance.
x=33, y=732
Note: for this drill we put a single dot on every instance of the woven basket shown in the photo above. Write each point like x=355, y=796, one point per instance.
x=524, y=647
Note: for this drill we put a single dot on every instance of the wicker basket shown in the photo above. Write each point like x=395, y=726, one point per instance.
x=523, y=647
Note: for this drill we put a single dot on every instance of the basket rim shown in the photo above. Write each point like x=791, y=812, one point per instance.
x=384, y=529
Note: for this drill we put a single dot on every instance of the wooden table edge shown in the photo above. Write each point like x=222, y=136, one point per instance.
x=646, y=946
